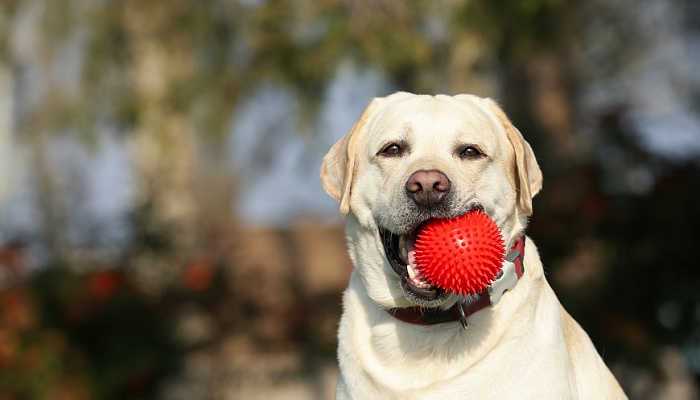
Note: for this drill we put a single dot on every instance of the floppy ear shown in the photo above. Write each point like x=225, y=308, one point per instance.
x=339, y=164
x=527, y=171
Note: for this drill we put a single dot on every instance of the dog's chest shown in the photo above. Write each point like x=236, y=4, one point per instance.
x=527, y=376
x=397, y=365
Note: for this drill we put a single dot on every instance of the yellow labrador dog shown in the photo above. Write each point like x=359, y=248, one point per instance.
x=410, y=158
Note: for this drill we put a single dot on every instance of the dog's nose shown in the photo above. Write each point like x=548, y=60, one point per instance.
x=428, y=188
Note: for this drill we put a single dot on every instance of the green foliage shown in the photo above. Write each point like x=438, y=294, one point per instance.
x=7, y=12
x=234, y=48
x=519, y=28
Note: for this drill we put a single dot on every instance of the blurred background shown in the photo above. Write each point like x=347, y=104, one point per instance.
x=163, y=233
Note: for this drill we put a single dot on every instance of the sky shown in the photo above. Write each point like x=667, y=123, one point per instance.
x=285, y=185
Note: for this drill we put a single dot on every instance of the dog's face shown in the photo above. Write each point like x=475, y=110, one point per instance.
x=411, y=158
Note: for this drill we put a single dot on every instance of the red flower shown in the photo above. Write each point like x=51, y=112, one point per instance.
x=198, y=276
x=103, y=285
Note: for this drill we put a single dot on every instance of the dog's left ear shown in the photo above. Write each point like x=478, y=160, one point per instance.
x=339, y=164
x=527, y=171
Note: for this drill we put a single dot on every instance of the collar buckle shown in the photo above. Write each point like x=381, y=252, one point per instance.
x=507, y=281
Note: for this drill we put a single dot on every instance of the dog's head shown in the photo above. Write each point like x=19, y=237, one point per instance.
x=410, y=158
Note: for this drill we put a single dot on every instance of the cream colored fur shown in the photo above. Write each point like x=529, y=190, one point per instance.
x=525, y=347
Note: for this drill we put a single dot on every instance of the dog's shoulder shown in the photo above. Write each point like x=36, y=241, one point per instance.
x=592, y=377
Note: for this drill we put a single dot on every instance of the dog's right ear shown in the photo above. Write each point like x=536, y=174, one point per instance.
x=339, y=164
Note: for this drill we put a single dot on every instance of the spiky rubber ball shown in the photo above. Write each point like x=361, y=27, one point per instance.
x=461, y=255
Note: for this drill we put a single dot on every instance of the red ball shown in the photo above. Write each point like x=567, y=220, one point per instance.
x=462, y=254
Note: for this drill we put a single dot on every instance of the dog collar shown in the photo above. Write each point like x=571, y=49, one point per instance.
x=512, y=270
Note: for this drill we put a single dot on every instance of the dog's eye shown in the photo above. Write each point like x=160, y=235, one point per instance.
x=470, y=151
x=392, y=150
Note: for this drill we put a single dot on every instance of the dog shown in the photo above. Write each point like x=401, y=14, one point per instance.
x=411, y=158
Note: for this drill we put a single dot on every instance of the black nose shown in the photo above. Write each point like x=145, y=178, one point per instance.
x=428, y=188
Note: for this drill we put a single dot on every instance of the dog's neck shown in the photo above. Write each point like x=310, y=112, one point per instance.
x=441, y=351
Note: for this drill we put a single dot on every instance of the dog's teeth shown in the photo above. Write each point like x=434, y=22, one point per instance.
x=421, y=283
x=403, y=249
x=416, y=277
x=412, y=273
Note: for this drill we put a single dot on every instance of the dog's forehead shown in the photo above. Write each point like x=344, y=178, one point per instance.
x=438, y=115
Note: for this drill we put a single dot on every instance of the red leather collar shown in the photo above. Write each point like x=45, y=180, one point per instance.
x=431, y=316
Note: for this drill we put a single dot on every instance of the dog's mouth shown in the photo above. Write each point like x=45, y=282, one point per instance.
x=400, y=252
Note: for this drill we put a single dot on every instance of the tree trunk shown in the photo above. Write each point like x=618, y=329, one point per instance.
x=164, y=143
